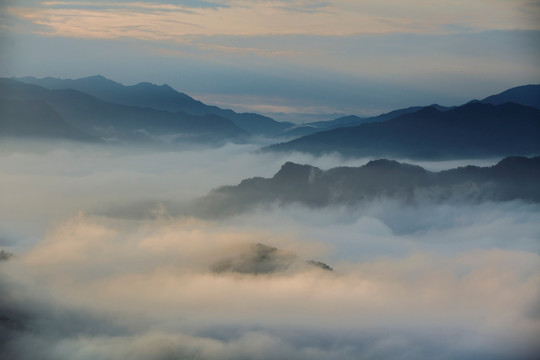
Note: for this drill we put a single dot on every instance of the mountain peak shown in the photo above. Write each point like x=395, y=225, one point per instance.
x=379, y=163
x=385, y=164
x=427, y=111
x=295, y=172
x=145, y=84
x=164, y=89
x=97, y=79
x=528, y=95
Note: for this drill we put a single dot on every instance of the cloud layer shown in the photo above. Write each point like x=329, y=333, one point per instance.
x=96, y=288
x=148, y=20
x=451, y=281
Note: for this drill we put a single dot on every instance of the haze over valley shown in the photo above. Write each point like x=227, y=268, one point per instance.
x=269, y=180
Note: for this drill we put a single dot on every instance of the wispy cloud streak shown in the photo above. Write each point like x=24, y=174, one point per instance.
x=171, y=21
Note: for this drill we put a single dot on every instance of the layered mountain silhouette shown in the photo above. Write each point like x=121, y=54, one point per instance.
x=84, y=113
x=160, y=97
x=95, y=109
x=511, y=179
x=472, y=130
x=353, y=120
x=18, y=118
x=527, y=95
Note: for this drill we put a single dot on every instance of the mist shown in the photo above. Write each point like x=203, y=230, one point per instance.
x=99, y=262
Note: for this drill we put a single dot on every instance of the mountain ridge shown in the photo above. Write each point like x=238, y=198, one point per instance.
x=159, y=97
x=512, y=178
x=527, y=95
x=473, y=129
x=109, y=120
x=160, y=100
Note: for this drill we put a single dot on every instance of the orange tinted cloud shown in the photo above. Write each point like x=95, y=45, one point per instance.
x=154, y=21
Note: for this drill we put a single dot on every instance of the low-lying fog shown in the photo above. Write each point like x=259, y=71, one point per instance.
x=89, y=280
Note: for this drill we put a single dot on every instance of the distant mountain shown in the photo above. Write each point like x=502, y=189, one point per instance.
x=298, y=131
x=349, y=120
x=316, y=126
x=113, y=121
x=144, y=94
x=527, y=95
x=474, y=129
x=160, y=97
x=412, y=109
x=163, y=97
x=36, y=119
x=512, y=178
x=352, y=120
x=261, y=259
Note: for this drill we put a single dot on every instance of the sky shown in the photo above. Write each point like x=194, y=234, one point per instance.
x=96, y=264
x=325, y=57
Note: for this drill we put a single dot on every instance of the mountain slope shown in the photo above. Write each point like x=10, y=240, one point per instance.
x=527, y=95
x=510, y=179
x=109, y=120
x=474, y=129
x=351, y=121
x=160, y=97
x=36, y=119
x=143, y=94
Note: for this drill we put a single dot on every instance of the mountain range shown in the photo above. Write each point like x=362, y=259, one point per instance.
x=97, y=119
x=475, y=129
x=352, y=120
x=527, y=95
x=98, y=109
x=160, y=97
x=510, y=179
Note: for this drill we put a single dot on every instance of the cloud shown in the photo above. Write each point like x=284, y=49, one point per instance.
x=354, y=57
x=147, y=21
x=45, y=183
x=111, y=289
x=356, y=74
x=455, y=280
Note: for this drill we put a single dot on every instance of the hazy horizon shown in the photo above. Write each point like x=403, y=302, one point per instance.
x=324, y=57
x=143, y=227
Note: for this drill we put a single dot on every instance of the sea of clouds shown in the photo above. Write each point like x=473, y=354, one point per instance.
x=103, y=269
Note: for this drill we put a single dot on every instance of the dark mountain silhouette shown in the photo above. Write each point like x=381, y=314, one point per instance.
x=316, y=126
x=527, y=95
x=34, y=118
x=113, y=121
x=259, y=259
x=163, y=97
x=512, y=178
x=348, y=120
x=474, y=129
x=351, y=121
x=299, y=131
x=160, y=97
x=412, y=109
